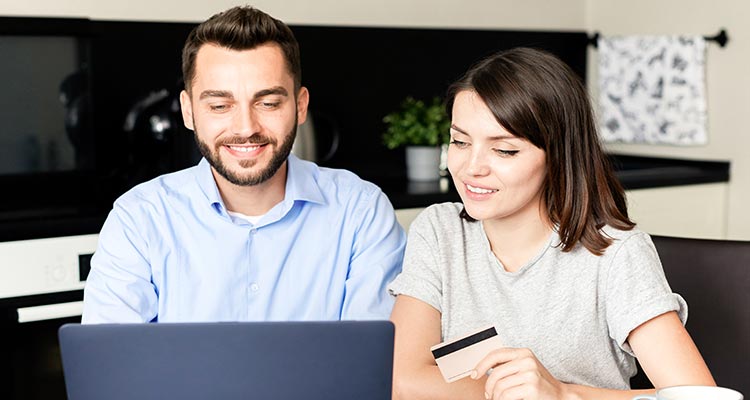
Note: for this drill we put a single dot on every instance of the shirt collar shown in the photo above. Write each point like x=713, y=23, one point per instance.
x=301, y=183
x=207, y=184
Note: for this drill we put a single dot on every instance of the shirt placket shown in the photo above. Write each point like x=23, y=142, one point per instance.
x=253, y=275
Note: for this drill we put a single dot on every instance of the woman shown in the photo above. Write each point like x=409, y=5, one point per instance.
x=542, y=248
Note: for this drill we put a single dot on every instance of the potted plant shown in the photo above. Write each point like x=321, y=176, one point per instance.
x=422, y=128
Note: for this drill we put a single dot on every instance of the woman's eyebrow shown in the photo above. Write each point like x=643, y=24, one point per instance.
x=504, y=136
x=459, y=130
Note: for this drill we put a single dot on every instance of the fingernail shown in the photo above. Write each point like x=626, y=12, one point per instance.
x=474, y=374
x=486, y=396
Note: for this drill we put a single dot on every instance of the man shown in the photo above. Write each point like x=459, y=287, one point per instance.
x=251, y=232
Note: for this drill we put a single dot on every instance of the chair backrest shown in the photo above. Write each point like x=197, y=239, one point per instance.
x=714, y=278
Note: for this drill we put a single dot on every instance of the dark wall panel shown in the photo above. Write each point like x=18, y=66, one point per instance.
x=358, y=75
x=133, y=77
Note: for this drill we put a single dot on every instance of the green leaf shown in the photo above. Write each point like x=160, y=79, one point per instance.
x=417, y=123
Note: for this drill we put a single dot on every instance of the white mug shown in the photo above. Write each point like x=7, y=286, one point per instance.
x=693, y=393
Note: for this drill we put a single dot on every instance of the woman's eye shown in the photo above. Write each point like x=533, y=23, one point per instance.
x=506, y=153
x=459, y=144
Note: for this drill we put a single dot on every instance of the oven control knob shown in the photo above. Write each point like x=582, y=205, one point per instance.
x=58, y=273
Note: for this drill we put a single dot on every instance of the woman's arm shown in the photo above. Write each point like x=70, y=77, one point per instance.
x=664, y=348
x=416, y=376
x=667, y=354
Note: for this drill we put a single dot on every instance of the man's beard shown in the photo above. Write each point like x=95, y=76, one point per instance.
x=277, y=158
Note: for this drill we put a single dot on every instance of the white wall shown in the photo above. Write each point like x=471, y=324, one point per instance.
x=728, y=82
x=533, y=14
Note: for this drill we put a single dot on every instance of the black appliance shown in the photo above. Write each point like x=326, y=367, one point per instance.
x=88, y=110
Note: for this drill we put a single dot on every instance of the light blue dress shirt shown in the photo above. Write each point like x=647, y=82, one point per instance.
x=169, y=251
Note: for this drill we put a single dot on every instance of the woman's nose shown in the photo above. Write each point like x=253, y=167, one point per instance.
x=478, y=164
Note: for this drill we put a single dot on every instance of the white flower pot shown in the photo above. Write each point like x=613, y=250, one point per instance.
x=423, y=163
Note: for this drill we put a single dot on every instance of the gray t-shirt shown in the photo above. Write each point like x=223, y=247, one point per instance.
x=574, y=310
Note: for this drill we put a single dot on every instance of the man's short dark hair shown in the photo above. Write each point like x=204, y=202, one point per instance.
x=241, y=28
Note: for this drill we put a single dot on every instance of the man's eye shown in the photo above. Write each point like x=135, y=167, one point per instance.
x=506, y=153
x=269, y=104
x=459, y=144
x=219, y=107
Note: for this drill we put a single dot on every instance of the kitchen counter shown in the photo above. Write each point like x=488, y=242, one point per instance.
x=634, y=172
x=637, y=172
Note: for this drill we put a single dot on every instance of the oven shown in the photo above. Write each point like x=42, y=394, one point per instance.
x=88, y=109
x=41, y=289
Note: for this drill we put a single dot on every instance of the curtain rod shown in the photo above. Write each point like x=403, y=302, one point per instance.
x=721, y=38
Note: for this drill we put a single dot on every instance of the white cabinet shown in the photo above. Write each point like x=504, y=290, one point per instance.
x=697, y=211
x=406, y=215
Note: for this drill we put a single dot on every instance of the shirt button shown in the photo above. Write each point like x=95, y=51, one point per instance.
x=253, y=231
x=254, y=287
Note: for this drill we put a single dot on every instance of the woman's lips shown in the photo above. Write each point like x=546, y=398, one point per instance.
x=476, y=192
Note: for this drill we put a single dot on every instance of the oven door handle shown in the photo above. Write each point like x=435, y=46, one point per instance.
x=50, y=311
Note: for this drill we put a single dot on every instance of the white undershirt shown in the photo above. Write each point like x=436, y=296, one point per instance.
x=252, y=219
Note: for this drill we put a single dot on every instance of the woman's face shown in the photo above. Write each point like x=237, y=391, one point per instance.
x=499, y=176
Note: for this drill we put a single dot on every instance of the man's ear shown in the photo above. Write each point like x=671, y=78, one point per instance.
x=303, y=99
x=187, y=110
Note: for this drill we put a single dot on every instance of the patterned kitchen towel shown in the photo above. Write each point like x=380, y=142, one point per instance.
x=652, y=89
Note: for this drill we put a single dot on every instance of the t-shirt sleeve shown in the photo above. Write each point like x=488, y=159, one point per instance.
x=421, y=277
x=637, y=289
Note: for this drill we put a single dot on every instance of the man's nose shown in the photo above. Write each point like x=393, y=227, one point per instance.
x=245, y=121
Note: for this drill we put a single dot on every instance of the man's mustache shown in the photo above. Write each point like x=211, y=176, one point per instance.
x=254, y=139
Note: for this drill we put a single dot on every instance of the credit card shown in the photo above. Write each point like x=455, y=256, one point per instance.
x=457, y=357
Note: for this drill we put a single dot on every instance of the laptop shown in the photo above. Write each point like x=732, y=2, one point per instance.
x=332, y=360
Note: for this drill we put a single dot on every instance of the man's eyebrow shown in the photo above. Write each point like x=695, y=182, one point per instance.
x=216, y=93
x=277, y=90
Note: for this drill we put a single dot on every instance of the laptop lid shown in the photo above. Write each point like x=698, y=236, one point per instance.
x=332, y=360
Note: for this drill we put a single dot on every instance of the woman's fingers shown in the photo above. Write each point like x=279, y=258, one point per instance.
x=498, y=357
x=515, y=374
x=504, y=385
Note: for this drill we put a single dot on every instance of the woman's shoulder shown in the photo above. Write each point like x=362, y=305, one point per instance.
x=442, y=218
x=633, y=238
x=442, y=211
x=623, y=234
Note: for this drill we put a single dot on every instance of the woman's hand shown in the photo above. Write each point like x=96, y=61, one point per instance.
x=517, y=374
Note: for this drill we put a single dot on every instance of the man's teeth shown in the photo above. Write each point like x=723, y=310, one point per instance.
x=244, y=149
x=480, y=190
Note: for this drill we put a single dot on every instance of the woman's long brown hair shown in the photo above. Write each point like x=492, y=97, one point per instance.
x=535, y=96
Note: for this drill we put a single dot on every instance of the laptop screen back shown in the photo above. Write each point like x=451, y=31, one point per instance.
x=341, y=360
